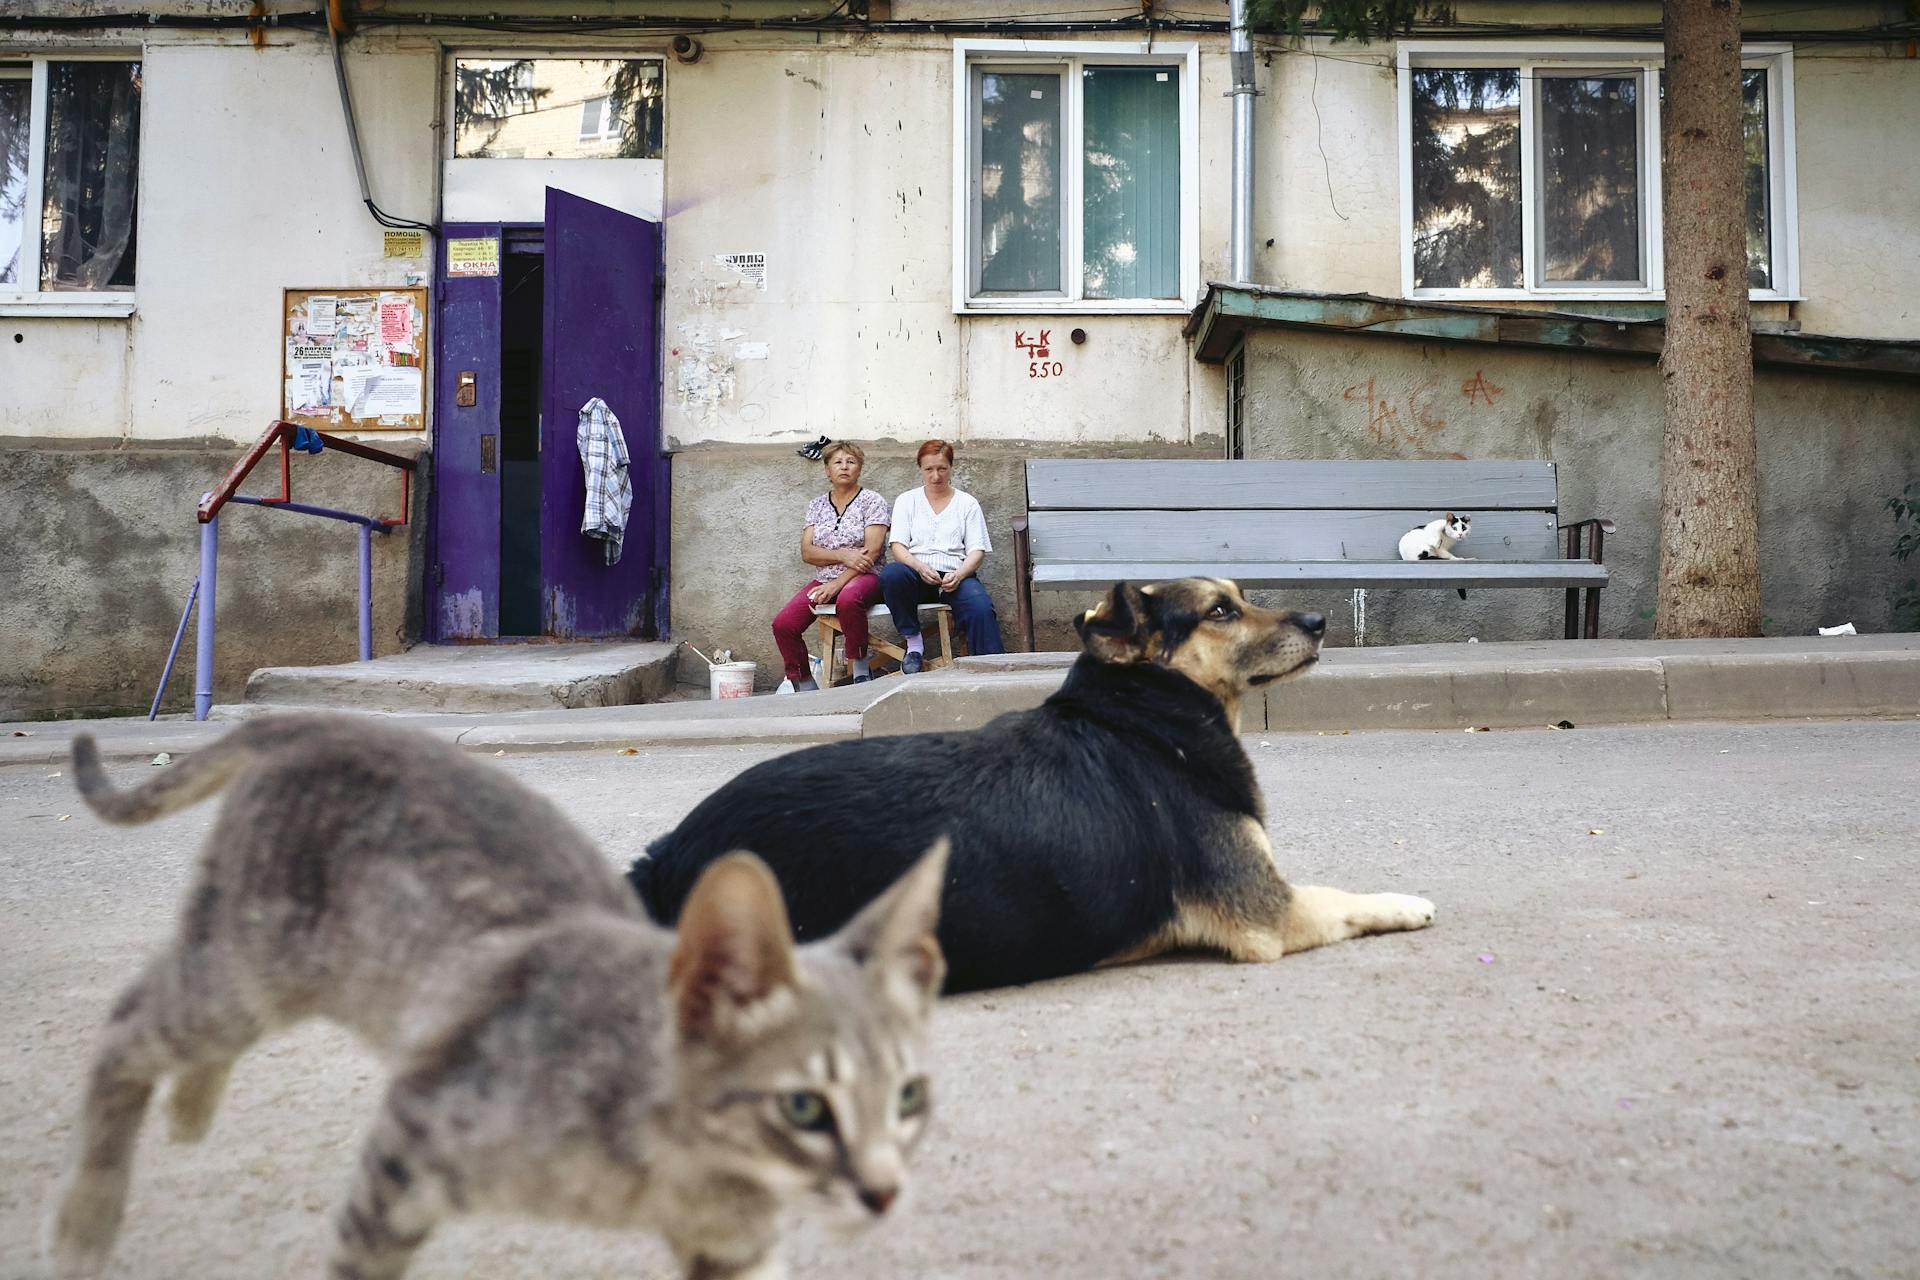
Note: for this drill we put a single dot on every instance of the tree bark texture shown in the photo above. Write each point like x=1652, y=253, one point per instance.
x=1709, y=525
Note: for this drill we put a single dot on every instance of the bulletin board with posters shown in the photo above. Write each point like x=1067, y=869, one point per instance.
x=355, y=359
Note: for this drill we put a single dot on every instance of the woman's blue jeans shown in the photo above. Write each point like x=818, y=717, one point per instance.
x=904, y=593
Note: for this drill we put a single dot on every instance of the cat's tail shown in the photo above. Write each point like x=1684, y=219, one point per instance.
x=189, y=782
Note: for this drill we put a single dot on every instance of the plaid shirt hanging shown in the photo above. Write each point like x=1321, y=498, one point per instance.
x=603, y=457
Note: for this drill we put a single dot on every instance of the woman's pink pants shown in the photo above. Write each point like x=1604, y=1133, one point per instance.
x=791, y=623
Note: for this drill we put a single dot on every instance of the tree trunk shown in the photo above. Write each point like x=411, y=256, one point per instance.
x=1709, y=527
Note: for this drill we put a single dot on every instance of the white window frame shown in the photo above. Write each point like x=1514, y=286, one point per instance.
x=1068, y=56
x=25, y=297
x=603, y=128
x=1565, y=57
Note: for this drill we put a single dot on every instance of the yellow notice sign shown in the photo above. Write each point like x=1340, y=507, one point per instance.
x=476, y=257
x=406, y=244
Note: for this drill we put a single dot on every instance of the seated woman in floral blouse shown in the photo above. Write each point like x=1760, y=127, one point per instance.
x=846, y=538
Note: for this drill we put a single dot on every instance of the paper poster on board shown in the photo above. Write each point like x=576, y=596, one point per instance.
x=355, y=359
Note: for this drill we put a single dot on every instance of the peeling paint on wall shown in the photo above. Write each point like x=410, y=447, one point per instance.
x=703, y=372
x=464, y=615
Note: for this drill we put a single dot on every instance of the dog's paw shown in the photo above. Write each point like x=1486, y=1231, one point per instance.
x=1402, y=911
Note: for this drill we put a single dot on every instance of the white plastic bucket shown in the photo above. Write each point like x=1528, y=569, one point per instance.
x=730, y=680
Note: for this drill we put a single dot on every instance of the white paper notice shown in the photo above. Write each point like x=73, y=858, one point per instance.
x=751, y=265
x=322, y=315
x=312, y=386
x=375, y=392
x=353, y=380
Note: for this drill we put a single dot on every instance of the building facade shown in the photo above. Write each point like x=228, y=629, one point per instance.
x=881, y=223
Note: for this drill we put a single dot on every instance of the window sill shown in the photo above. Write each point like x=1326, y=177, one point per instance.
x=68, y=308
x=1562, y=295
x=1057, y=307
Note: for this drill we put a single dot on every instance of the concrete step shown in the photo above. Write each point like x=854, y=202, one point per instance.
x=470, y=678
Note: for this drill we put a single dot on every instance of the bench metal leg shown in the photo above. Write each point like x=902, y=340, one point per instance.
x=1591, y=628
x=1573, y=593
x=1022, y=582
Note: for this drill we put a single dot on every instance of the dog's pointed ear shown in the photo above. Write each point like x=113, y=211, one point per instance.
x=1117, y=629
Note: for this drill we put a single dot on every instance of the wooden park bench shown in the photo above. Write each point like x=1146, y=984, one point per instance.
x=1091, y=522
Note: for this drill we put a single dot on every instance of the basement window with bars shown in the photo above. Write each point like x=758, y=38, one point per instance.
x=69, y=181
x=1237, y=402
x=1534, y=173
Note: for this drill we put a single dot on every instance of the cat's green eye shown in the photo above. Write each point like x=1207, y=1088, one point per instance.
x=805, y=1109
x=913, y=1097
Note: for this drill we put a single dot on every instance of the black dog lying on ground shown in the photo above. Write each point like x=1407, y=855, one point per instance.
x=1120, y=820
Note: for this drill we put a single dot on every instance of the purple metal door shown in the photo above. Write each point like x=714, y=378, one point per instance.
x=463, y=578
x=601, y=339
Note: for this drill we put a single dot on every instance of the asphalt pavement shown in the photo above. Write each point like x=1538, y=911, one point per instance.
x=1664, y=1025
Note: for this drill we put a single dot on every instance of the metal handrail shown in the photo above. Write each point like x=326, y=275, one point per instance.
x=283, y=433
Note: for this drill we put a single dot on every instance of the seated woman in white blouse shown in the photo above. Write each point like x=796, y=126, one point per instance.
x=939, y=537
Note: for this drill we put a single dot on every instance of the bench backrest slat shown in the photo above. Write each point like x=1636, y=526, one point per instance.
x=1110, y=484
x=1229, y=537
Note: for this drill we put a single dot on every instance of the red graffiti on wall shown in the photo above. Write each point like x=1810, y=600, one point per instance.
x=1036, y=348
x=1406, y=420
x=1477, y=387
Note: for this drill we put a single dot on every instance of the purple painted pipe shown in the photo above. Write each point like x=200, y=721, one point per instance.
x=274, y=504
x=203, y=632
x=366, y=593
x=209, y=557
x=166, y=674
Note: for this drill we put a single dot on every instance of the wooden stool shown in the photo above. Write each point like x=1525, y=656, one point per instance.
x=829, y=620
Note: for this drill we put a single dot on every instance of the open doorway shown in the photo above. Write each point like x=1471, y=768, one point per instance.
x=535, y=322
x=522, y=298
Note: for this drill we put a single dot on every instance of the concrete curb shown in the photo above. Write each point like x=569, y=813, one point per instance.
x=1351, y=691
x=1858, y=684
x=1619, y=691
x=529, y=739
x=50, y=745
x=952, y=700
x=1517, y=685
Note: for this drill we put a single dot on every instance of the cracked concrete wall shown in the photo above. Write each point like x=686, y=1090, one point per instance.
x=1832, y=448
x=102, y=547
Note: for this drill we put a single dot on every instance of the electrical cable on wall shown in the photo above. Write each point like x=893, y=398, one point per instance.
x=353, y=145
x=1902, y=30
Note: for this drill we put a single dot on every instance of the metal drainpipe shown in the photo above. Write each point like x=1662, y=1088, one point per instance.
x=346, y=109
x=1240, y=49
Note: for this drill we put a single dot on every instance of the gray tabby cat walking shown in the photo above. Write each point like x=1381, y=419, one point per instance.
x=552, y=1052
